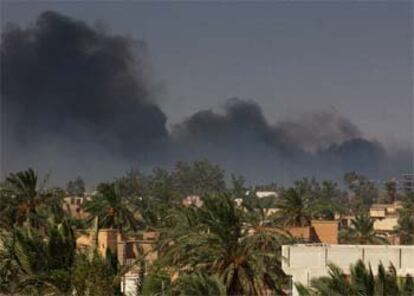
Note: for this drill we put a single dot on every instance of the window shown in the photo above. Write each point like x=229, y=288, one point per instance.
x=129, y=251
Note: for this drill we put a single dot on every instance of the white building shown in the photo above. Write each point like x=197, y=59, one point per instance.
x=304, y=262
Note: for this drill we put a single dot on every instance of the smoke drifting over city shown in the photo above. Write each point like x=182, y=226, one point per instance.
x=79, y=101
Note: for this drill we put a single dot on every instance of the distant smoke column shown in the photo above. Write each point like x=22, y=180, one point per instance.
x=65, y=84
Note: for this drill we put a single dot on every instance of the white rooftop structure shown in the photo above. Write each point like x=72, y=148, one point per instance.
x=261, y=194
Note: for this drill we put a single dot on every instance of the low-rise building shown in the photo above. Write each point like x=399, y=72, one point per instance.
x=326, y=231
x=320, y=231
x=74, y=206
x=128, y=249
x=344, y=220
x=385, y=218
x=380, y=211
x=303, y=262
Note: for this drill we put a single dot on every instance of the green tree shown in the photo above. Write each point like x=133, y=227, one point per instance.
x=199, y=284
x=132, y=184
x=199, y=178
x=93, y=274
x=294, y=208
x=391, y=191
x=162, y=188
x=46, y=262
x=25, y=196
x=238, y=186
x=258, y=209
x=8, y=209
x=405, y=227
x=76, y=187
x=218, y=240
x=308, y=200
x=37, y=264
x=149, y=196
x=331, y=200
x=111, y=209
x=364, y=191
x=150, y=212
x=360, y=282
x=157, y=284
x=362, y=232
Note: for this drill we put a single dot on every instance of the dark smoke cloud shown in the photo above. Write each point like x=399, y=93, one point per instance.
x=77, y=100
x=242, y=124
x=321, y=144
x=61, y=77
x=318, y=130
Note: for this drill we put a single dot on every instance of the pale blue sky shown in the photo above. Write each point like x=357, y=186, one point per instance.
x=291, y=57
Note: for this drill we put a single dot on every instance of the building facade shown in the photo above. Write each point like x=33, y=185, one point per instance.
x=306, y=261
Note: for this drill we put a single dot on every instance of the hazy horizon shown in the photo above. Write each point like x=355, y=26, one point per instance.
x=321, y=87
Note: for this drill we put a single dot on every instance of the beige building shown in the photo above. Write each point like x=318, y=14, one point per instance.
x=127, y=249
x=74, y=206
x=320, y=231
x=385, y=216
x=306, y=261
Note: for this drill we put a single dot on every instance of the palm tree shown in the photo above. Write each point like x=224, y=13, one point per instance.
x=307, y=200
x=7, y=209
x=199, y=284
x=8, y=265
x=405, y=230
x=218, y=240
x=362, y=232
x=194, y=284
x=94, y=274
x=294, y=208
x=111, y=209
x=156, y=284
x=259, y=208
x=46, y=262
x=39, y=264
x=26, y=196
x=360, y=282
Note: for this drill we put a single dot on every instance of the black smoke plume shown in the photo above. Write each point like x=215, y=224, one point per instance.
x=61, y=77
x=321, y=144
x=79, y=101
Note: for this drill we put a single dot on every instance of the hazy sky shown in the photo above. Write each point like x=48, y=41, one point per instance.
x=355, y=58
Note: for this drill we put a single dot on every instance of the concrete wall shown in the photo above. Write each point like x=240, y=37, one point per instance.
x=304, y=262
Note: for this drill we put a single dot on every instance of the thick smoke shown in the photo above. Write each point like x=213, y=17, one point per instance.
x=61, y=77
x=77, y=100
x=322, y=144
x=318, y=130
